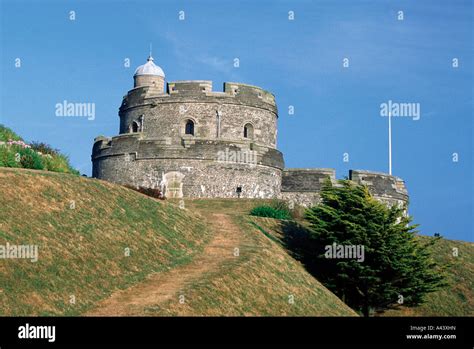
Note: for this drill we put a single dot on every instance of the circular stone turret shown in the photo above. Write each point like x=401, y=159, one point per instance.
x=149, y=74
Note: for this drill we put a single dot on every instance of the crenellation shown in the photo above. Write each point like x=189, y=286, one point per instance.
x=200, y=91
x=189, y=87
x=385, y=187
x=304, y=185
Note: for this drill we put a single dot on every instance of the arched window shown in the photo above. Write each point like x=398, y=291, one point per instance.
x=189, y=128
x=134, y=127
x=248, y=131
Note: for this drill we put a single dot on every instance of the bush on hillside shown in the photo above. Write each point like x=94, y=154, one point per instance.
x=278, y=210
x=14, y=152
x=29, y=158
x=44, y=148
x=8, y=158
x=152, y=192
x=367, y=253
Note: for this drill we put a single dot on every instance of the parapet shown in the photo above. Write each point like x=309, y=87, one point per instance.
x=102, y=141
x=244, y=90
x=201, y=91
x=303, y=185
x=189, y=87
x=234, y=153
x=381, y=185
x=231, y=89
x=305, y=179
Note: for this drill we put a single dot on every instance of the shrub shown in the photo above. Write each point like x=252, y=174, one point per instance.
x=277, y=210
x=152, y=192
x=280, y=205
x=44, y=148
x=298, y=212
x=58, y=163
x=29, y=158
x=54, y=163
x=7, y=157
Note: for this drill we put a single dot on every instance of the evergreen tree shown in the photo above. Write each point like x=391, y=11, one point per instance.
x=397, y=267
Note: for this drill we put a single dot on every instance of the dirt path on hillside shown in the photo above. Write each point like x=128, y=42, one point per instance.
x=161, y=287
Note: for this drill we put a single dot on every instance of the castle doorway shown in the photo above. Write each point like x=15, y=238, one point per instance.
x=173, y=184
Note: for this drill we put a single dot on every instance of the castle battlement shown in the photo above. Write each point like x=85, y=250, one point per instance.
x=230, y=89
x=382, y=186
x=304, y=185
x=200, y=91
x=189, y=87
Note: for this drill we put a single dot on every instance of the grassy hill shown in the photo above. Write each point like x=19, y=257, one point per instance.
x=108, y=250
x=455, y=300
x=458, y=298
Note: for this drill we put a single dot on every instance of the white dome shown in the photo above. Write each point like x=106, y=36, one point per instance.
x=149, y=68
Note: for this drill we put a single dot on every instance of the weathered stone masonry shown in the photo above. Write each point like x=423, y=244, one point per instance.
x=191, y=141
x=303, y=185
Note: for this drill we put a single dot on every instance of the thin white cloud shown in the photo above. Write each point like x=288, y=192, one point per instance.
x=216, y=63
x=190, y=53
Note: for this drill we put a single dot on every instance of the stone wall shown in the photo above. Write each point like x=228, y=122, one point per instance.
x=303, y=186
x=201, y=167
x=196, y=178
x=384, y=187
x=157, y=82
x=216, y=115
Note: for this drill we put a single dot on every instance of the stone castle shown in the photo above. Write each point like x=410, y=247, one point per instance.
x=191, y=141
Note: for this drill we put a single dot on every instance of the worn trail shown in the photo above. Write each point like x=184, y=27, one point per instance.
x=159, y=288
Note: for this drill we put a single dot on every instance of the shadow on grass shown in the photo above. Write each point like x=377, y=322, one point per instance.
x=298, y=242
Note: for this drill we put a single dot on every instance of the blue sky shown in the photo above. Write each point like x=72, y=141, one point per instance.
x=337, y=109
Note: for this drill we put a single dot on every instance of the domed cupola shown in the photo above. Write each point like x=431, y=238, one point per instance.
x=149, y=68
x=149, y=74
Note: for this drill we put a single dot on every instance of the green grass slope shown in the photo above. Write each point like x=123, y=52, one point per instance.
x=85, y=227
x=457, y=299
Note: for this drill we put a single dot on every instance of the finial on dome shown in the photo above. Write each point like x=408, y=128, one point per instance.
x=150, y=57
x=149, y=68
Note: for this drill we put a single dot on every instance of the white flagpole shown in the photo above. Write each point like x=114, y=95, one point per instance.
x=389, y=143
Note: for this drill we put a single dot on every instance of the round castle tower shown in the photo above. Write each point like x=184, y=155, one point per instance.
x=191, y=141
